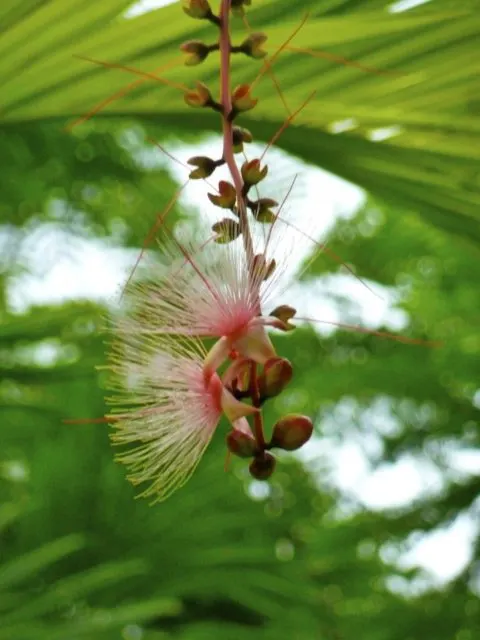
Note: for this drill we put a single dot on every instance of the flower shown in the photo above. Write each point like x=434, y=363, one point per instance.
x=221, y=291
x=208, y=291
x=166, y=407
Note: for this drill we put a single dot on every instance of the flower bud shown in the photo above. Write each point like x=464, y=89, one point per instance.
x=252, y=46
x=261, y=210
x=271, y=266
x=277, y=373
x=261, y=269
x=206, y=166
x=284, y=313
x=227, y=195
x=197, y=51
x=240, y=135
x=238, y=6
x=241, y=98
x=252, y=173
x=263, y=466
x=199, y=97
x=291, y=432
x=227, y=231
x=199, y=9
x=241, y=444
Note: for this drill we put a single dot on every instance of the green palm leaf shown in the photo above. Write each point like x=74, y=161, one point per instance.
x=425, y=99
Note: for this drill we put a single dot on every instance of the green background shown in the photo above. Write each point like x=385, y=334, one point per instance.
x=79, y=556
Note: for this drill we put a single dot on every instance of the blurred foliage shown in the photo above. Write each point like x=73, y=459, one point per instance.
x=400, y=120
x=228, y=558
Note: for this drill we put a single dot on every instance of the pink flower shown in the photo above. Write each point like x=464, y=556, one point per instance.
x=208, y=291
x=166, y=408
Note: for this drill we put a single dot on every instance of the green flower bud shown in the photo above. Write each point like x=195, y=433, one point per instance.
x=277, y=373
x=199, y=9
x=263, y=466
x=199, y=97
x=241, y=444
x=206, y=166
x=241, y=98
x=271, y=266
x=291, y=432
x=227, y=230
x=238, y=6
x=240, y=135
x=284, y=313
x=197, y=51
x=252, y=173
x=227, y=195
x=261, y=210
x=252, y=46
x=261, y=269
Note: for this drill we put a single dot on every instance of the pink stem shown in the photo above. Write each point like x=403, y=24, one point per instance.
x=226, y=100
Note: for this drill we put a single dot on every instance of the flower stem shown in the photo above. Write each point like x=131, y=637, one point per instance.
x=226, y=101
x=257, y=418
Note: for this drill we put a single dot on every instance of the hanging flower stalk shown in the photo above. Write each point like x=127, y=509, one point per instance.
x=173, y=391
x=169, y=392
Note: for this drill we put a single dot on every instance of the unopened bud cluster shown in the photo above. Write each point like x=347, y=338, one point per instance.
x=290, y=432
x=252, y=173
x=242, y=100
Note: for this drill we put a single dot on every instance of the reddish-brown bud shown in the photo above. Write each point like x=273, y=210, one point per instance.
x=205, y=167
x=239, y=137
x=263, y=466
x=199, y=97
x=199, y=9
x=252, y=173
x=197, y=52
x=252, y=46
x=227, y=195
x=241, y=444
x=284, y=313
x=226, y=230
x=292, y=432
x=261, y=209
x=241, y=98
x=277, y=373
